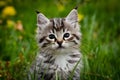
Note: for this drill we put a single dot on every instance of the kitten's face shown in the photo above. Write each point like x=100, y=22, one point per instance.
x=58, y=33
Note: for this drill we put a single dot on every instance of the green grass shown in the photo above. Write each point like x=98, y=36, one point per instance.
x=100, y=44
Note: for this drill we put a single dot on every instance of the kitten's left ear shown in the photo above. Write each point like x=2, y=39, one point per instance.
x=72, y=16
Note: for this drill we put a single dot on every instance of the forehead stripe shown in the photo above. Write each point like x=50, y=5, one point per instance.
x=57, y=23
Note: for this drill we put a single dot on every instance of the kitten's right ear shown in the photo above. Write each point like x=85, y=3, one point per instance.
x=72, y=17
x=41, y=19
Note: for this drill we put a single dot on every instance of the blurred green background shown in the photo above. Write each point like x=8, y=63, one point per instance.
x=100, y=27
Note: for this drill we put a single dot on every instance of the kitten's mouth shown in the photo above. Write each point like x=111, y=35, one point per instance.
x=60, y=47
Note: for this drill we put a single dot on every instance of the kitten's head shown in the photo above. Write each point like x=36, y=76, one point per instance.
x=58, y=33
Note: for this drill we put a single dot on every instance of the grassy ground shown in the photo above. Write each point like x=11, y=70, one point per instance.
x=100, y=27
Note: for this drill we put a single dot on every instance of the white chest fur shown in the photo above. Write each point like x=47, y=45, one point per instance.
x=61, y=62
x=63, y=58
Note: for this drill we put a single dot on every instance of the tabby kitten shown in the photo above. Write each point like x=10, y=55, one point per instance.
x=59, y=40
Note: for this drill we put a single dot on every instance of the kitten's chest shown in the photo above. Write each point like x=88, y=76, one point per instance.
x=61, y=61
x=64, y=62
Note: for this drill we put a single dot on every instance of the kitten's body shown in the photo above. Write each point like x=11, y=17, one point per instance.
x=59, y=42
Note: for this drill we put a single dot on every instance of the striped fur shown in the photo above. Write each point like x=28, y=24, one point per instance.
x=59, y=40
x=61, y=26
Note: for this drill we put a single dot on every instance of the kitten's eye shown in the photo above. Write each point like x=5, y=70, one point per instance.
x=66, y=35
x=52, y=36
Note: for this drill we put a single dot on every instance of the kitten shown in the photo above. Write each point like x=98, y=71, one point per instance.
x=59, y=40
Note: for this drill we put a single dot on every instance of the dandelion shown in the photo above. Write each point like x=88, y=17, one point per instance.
x=10, y=23
x=80, y=17
x=8, y=11
x=2, y=3
x=60, y=7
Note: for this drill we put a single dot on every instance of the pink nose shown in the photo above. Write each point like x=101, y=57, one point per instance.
x=60, y=43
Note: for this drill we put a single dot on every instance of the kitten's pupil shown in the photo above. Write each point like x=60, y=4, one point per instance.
x=66, y=35
x=52, y=36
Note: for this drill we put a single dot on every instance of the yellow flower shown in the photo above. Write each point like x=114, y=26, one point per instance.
x=8, y=11
x=80, y=17
x=2, y=3
x=10, y=23
x=60, y=7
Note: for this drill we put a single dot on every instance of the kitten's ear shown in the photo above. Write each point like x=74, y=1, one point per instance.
x=72, y=16
x=41, y=19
